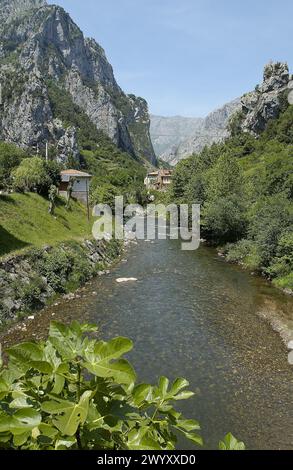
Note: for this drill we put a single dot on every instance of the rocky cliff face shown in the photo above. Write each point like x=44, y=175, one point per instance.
x=41, y=45
x=199, y=133
x=168, y=132
x=266, y=102
x=254, y=111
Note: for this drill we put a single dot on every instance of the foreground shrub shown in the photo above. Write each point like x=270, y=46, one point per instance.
x=74, y=392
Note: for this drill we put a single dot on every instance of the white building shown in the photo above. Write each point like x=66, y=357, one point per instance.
x=81, y=184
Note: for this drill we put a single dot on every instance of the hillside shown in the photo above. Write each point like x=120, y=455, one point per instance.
x=25, y=222
x=43, y=53
x=245, y=188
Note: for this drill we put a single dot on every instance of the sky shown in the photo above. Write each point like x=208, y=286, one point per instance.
x=187, y=57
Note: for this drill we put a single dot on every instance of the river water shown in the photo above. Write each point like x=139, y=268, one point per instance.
x=190, y=314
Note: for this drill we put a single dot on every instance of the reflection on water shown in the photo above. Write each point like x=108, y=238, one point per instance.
x=192, y=315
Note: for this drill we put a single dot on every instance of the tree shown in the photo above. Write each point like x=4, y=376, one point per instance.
x=224, y=212
x=32, y=175
x=53, y=192
x=10, y=158
x=69, y=191
x=105, y=194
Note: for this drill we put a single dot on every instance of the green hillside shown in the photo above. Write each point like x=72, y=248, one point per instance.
x=245, y=189
x=25, y=222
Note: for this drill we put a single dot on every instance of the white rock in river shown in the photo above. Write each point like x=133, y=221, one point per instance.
x=126, y=279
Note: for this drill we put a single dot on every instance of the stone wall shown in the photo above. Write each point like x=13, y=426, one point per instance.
x=28, y=281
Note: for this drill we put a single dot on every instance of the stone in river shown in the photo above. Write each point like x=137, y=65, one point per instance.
x=126, y=279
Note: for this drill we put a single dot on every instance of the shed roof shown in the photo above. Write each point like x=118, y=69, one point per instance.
x=77, y=173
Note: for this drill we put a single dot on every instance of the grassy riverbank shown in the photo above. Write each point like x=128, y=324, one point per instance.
x=25, y=222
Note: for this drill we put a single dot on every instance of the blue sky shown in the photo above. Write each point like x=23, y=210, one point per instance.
x=187, y=57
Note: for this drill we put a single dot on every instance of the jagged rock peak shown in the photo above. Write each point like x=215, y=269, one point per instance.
x=15, y=8
x=266, y=101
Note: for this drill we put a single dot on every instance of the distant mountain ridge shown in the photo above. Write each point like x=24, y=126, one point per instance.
x=175, y=138
x=41, y=48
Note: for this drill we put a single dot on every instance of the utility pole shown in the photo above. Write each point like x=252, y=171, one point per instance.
x=87, y=200
x=47, y=153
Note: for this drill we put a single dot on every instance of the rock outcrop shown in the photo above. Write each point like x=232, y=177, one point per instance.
x=41, y=45
x=268, y=99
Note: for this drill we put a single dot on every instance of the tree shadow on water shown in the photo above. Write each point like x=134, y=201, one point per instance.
x=9, y=242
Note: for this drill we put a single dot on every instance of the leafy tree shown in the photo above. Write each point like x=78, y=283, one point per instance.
x=34, y=174
x=105, y=194
x=10, y=158
x=224, y=209
x=271, y=219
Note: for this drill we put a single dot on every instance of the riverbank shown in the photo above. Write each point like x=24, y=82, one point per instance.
x=39, y=276
x=226, y=255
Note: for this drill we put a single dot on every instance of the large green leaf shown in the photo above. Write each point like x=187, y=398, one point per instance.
x=140, y=439
x=141, y=393
x=26, y=352
x=72, y=415
x=20, y=422
x=121, y=371
x=231, y=443
x=103, y=360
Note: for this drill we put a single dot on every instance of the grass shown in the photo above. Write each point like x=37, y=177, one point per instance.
x=25, y=222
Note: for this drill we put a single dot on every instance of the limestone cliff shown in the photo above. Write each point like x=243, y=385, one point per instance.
x=40, y=45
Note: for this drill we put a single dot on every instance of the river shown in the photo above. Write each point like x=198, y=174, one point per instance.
x=190, y=314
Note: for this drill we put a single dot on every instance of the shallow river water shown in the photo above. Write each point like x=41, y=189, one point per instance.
x=190, y=314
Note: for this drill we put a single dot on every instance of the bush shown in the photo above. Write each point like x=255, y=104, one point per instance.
x=73, y=392
x=31, y=294
x=243, y=252
x=55, y=266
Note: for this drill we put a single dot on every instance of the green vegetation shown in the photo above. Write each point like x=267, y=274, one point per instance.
x=10, y=158
x=75, y=392
x=245, y=188
x=35, y=174
x=25, y=221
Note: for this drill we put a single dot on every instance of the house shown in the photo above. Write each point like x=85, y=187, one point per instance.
x=158, y=180
x=80, y=185
x=151, y=180
x=164, y=179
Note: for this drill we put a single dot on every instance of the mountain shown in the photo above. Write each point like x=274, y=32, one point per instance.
x=252, y=113
x=167, y=132
x=45, y=60
x=177, y=138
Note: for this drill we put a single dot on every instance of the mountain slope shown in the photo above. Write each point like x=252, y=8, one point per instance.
x=167, y=132
x=177, y=138
x=39, y=45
